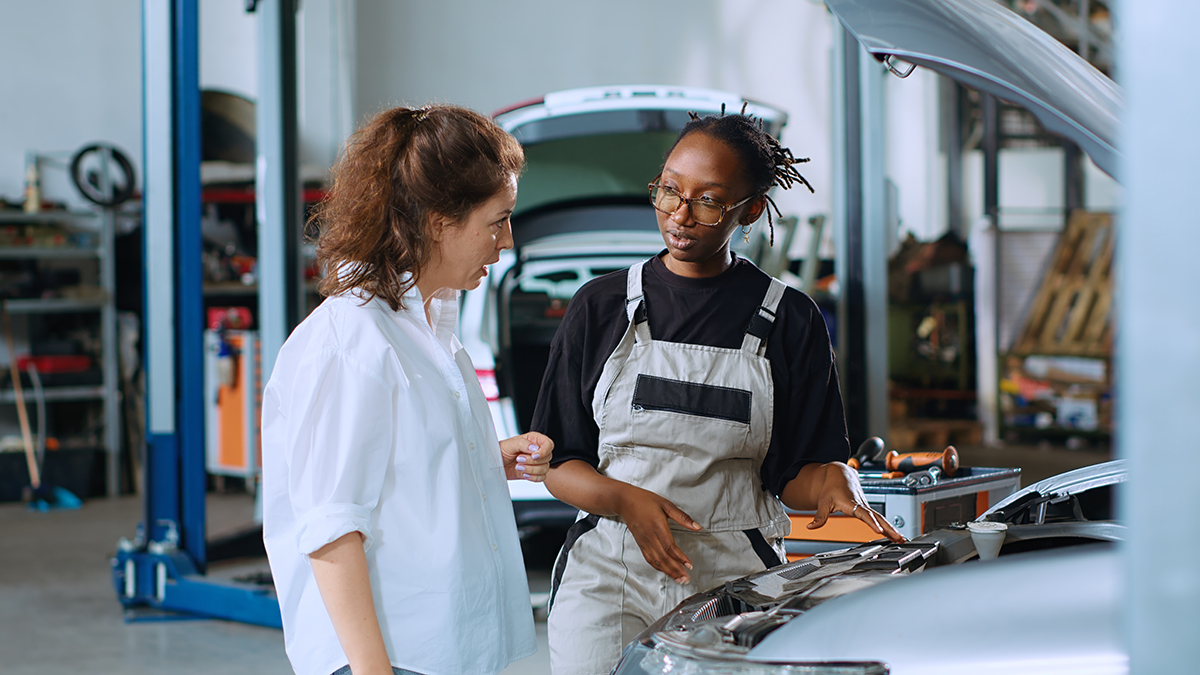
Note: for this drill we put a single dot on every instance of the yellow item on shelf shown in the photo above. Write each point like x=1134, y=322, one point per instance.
x=33, y=187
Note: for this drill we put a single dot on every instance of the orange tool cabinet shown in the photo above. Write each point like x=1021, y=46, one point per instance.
x=912, y=510
x=233, y=399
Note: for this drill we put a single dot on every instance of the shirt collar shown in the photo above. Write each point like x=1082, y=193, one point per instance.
x=443, y=309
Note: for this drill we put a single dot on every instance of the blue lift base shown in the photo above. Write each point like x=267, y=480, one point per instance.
x=169, y=581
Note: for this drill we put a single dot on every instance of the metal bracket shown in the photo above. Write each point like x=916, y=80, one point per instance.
x=890, y=61
x=924, y=478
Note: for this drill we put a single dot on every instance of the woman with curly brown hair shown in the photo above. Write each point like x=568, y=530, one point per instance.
x=386, y=516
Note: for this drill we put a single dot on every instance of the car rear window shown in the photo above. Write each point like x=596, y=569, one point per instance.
x=584, y=216
x=595, y=166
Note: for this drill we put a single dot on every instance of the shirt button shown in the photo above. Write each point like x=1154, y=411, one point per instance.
x=457, y=395
x=484, y=496
x=471, y=446
x=494, y=547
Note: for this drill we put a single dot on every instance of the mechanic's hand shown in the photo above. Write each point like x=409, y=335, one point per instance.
x=646, y=515
x=527, y=457
x=841, y=491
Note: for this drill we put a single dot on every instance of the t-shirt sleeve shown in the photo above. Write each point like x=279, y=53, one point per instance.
x=339, y=434
x=810, y=420
x=563, y=410
x=590, y=330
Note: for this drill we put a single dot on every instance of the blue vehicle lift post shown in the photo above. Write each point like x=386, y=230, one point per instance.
x=164, y=566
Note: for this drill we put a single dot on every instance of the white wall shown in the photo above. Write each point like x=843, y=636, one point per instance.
x=490, y=55
x=71, y=76
x=1031, y=187
x=229, y=62
x=914, y=163
x=1100, y=191
x=359, y=56
x=74, y=77
x=325, y=40
x=1032, y=192
x=80, y=80
x=228, y=47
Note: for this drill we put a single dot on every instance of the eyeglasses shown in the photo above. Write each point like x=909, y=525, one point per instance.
x=703, y=210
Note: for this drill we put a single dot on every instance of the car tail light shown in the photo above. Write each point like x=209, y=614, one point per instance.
x=487, y=380
x=523, y=104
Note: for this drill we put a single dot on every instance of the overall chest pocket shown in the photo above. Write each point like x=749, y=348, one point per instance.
x=690, y=416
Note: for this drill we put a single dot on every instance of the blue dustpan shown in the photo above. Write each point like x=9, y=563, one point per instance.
x=51, y=498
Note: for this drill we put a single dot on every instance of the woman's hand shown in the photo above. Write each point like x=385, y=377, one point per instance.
x=834, y=487
x=646, y=515
x=527, y=456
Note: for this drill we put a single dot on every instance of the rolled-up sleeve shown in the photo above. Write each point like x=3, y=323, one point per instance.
x=339, y=440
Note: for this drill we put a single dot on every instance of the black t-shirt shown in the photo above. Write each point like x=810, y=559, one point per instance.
x=809, y=424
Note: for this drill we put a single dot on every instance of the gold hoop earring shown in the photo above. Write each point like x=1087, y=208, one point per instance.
x=746, y=232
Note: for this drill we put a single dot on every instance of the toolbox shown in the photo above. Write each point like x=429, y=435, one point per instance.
x=912, y=509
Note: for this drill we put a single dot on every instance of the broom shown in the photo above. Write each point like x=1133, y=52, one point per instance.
x=38, y=496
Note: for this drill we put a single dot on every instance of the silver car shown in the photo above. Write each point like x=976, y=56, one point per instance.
x=925, y=607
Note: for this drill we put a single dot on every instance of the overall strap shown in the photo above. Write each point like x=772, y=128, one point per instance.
x=637, y=332
x=755, y=341
x=635, y=303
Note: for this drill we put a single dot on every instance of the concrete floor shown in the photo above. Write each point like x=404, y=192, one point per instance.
x=59, y=612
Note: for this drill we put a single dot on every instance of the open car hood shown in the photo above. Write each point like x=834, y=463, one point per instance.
x=985, y=46
x=1030, y=503
x=1048, y=604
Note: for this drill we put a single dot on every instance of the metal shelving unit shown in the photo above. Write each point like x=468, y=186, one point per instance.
x=55, y=305
x=101, y=224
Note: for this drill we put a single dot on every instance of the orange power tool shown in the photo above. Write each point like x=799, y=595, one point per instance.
x=908, y=462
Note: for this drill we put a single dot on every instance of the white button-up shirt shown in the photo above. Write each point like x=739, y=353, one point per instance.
x=374, y=421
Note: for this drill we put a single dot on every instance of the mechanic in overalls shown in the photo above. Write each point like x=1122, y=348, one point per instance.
x=688, y=396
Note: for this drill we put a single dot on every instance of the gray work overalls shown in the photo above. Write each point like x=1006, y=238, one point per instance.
x=691, y=423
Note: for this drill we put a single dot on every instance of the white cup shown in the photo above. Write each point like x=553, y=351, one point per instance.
x=988, y=537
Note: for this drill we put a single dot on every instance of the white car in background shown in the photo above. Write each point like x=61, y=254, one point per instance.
x=582, y=211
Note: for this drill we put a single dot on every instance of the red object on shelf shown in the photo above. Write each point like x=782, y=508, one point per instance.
x=56, y=364
x=243, y=264
x=246, y=195
x=233, y=318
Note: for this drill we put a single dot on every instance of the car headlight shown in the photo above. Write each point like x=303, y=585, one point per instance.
x=661, y=658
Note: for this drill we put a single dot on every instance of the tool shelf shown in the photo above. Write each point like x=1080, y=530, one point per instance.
x=88, y=236
x=54, y=306
x=7, y=395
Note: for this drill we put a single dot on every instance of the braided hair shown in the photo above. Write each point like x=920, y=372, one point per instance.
x=767, y=163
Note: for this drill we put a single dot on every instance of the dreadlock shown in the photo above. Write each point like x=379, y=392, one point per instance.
x=767, y=163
